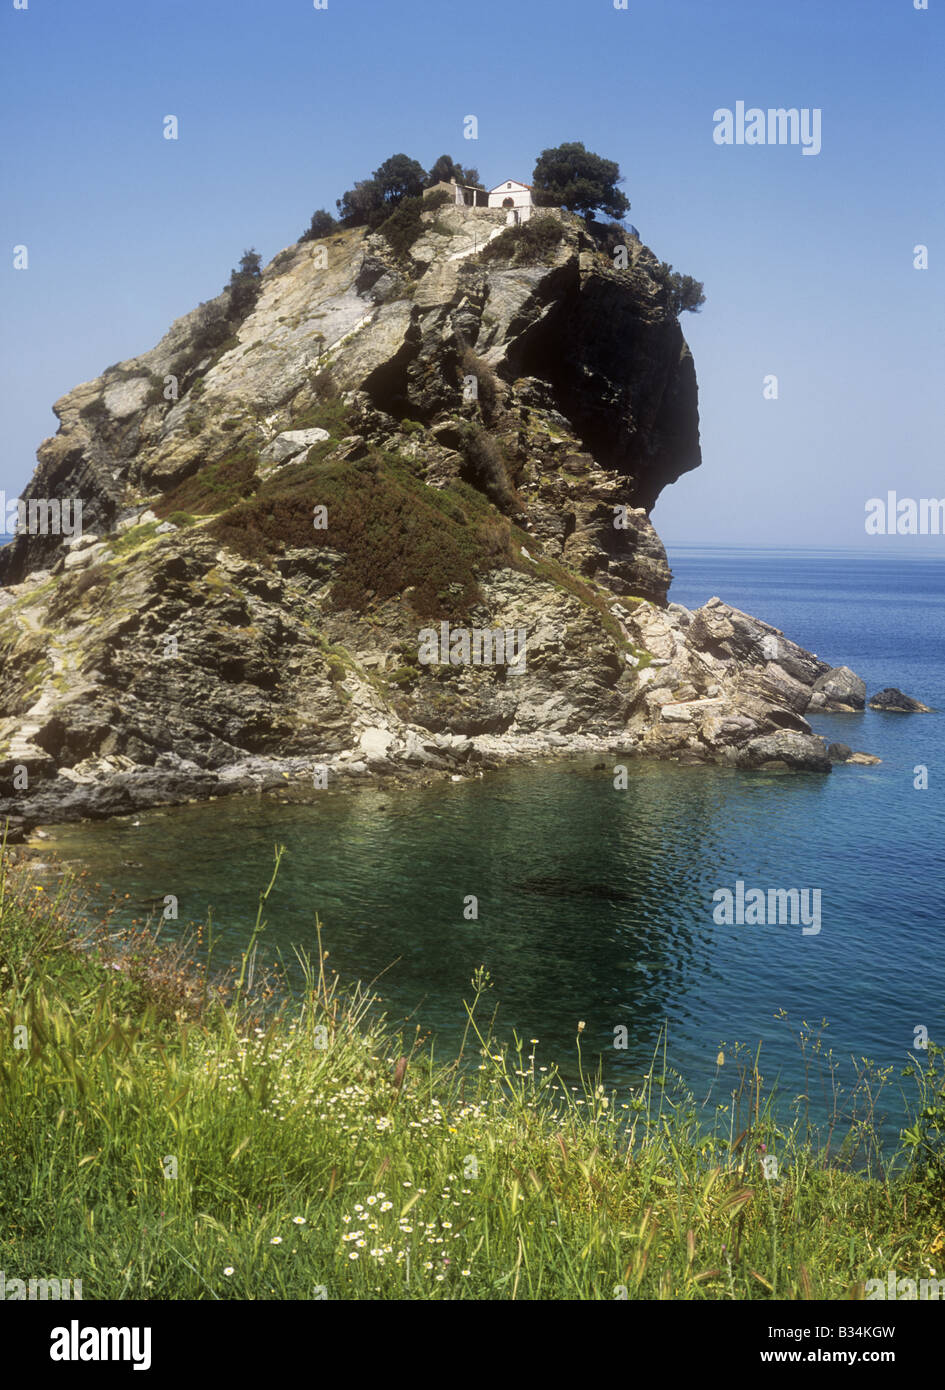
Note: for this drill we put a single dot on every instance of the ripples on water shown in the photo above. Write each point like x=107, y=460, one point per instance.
x=596, y=904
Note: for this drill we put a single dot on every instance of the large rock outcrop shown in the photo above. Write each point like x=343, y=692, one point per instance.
x=276, y=507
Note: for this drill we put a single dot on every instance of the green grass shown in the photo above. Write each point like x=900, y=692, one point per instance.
x=134, y=536
x=164, y=1135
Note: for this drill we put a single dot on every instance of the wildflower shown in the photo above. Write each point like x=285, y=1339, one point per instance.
x=353, y=1255
x=298, y=1220
x=386, y=1206
x=229, y=1270
x=276, y=1240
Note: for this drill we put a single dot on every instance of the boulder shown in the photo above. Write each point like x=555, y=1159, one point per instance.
x=893, y=701
x=839, y=753
x=842, y=688
x=801, y=752
x=290, y=443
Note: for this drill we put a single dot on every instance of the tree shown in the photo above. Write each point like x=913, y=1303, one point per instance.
x=399, y=177
x=572, y=177
x=322, y=224
x=244, y=285
x=446, y=168
x=362, y=205
x=684, y=294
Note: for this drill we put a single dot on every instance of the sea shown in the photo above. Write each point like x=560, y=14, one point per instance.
x=594, y=907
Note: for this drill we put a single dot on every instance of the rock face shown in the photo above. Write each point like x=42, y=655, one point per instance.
x=842, y=689
x=895, y=702
x=467, y=435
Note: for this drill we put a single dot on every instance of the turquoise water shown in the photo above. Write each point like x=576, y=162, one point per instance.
x=596, y=904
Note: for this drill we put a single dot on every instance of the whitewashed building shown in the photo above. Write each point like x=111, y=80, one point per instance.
x=515, y=196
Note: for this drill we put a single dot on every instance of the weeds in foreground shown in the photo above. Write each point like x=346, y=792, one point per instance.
x=224, y=1142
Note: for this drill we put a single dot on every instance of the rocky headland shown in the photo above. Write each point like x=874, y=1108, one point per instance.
x=470, y=431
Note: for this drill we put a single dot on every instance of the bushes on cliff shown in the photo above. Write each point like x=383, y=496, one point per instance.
x=322, y=224
x=485, y=468
x=373, y=200
x=395, y=533
x=404, y=225
x=214, y=488
x=683, y=293
x=527, y=244
x=244, y=286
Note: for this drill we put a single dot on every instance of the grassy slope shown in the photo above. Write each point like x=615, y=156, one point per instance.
x=303, y=1169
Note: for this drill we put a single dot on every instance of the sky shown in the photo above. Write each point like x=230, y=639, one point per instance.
x=807, y=260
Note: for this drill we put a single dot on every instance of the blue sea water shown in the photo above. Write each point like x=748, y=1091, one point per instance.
x=596, y=904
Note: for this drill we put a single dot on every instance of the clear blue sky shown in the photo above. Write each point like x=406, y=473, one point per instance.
x=807, y=261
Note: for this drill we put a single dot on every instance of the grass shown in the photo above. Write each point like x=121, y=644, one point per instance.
x=168, y=1135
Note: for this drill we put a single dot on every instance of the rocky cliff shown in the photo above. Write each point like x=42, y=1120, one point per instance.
x=469, y=431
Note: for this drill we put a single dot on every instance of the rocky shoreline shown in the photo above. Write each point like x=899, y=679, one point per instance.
x=729, y=690
x=278, y=506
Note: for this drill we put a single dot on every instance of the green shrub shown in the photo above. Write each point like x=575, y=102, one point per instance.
x=214, y=487
x=439, y=198
x=485, y=468
x=683, y=293
x=394, y=532
x=404, y=225
x=322, y=224
x=529, y=243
